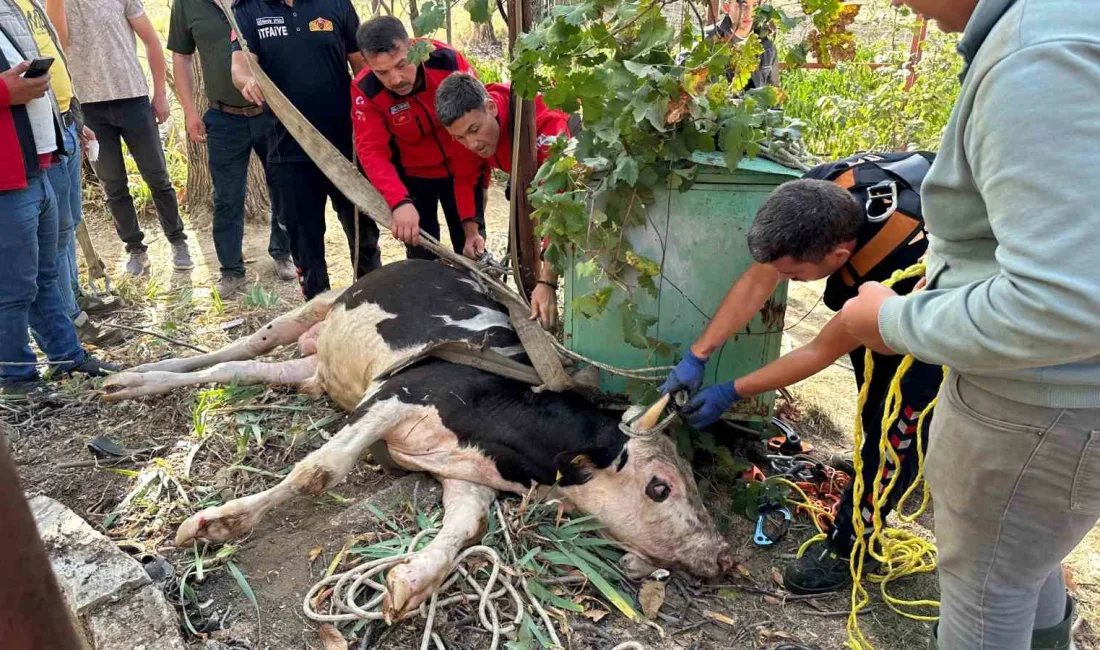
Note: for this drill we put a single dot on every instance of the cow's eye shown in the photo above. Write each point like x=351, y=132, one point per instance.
x=657, y=490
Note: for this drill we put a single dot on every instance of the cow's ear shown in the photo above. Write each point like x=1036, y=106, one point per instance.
x=577, y=467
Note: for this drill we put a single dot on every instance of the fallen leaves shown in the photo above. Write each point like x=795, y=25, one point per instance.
x=314, y=554
x=652, y=596
x=720, y=618
x=769, y=637
x=777, y=577
x=594, y=615
x=331, y=639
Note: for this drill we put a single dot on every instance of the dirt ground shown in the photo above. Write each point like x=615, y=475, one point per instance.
x=222, y=443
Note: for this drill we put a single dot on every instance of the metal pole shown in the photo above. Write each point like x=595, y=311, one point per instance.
x=33, y=615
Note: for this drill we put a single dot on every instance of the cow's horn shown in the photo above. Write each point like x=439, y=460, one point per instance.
x=649, y=419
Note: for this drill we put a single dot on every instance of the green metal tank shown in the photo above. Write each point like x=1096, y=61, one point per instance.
x=699, y=238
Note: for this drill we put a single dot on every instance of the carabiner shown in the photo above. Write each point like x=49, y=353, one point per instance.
x=761, y=536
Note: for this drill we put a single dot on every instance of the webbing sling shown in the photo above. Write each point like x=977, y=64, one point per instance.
x=354, y=185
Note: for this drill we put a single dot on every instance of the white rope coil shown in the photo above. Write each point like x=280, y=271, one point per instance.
x=349, y=588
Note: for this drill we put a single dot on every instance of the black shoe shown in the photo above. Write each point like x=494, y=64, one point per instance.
x=90, y=334
x=821, y=570
x=21, y=386
x=94, y=305
x=93, y=367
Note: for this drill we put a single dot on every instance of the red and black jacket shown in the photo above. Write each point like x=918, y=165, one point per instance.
x=549, y=124
x=18, y=157
x=400, y=136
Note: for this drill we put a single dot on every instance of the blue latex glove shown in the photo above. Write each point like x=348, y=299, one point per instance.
x=708, y=406
x=687, y=375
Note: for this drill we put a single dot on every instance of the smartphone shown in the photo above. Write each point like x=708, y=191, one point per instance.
x=38, y=67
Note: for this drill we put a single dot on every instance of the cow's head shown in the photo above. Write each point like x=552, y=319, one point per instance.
x=645, y=495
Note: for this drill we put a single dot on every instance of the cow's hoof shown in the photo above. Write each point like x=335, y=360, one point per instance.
x=410, y=584
x=214, y=525
x=131, y=385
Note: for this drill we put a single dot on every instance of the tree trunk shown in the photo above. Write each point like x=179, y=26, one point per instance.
x=199, y=197
x=483, y=33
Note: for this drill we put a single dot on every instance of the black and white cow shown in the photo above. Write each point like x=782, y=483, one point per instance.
x=477, y=432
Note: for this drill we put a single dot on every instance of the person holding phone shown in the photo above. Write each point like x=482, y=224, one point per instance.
x=65, y=174
x=30, y=139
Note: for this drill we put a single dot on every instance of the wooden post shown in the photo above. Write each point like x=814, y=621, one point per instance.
x=449, y=5
x=916, y=51
x=525, y=248
x=33, y=615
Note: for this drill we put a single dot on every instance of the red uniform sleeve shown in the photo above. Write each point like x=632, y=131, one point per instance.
x=549, y=125
x=5, y=95
x=372, y=146
x=468, y=166
x=469, y=172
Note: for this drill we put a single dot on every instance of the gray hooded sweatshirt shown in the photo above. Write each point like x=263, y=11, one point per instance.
x=1012, y=206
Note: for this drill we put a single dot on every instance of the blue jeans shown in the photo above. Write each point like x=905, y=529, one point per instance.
x=28, y=283
x=230, y=140
x=65, y=180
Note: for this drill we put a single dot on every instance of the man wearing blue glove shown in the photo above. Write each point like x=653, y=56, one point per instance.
x=810, y=229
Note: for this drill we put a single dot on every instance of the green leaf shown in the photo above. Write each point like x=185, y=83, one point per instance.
x=529, y=557
x=640, y=69
x=242, y=582
x=621, y=602
x=635, y=324
x=479, y=10
x=642, y=264
x=626, y=170
x=543, y=594
x=419, y=51
x=587, y=269
x=593, y=304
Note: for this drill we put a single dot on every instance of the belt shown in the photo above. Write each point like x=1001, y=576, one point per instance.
x=68, y=119
x=244, y=111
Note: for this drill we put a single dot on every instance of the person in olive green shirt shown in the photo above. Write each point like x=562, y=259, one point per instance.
x=232, y=128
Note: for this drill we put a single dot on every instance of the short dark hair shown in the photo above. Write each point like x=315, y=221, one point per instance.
x=381, y=35
x=804, y=219
x=459, y=94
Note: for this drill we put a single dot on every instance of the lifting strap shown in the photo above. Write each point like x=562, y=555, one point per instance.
x=354, y=185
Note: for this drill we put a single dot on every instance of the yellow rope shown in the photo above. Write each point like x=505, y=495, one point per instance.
x=901, y=553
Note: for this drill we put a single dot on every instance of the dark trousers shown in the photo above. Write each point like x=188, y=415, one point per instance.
x=131, y=120
x=230, y=141
x=300, y=190
x=427, y=194
x=918, y=388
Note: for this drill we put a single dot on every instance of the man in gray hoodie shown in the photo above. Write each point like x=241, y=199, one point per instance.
x=1012, y=306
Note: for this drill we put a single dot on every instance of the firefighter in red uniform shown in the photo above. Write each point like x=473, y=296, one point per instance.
x=477, y=116
x=405, y=151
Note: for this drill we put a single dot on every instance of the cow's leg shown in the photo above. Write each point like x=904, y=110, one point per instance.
x=282, y=331
x=313, y=475
x=130, y=385
x=465, y=512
